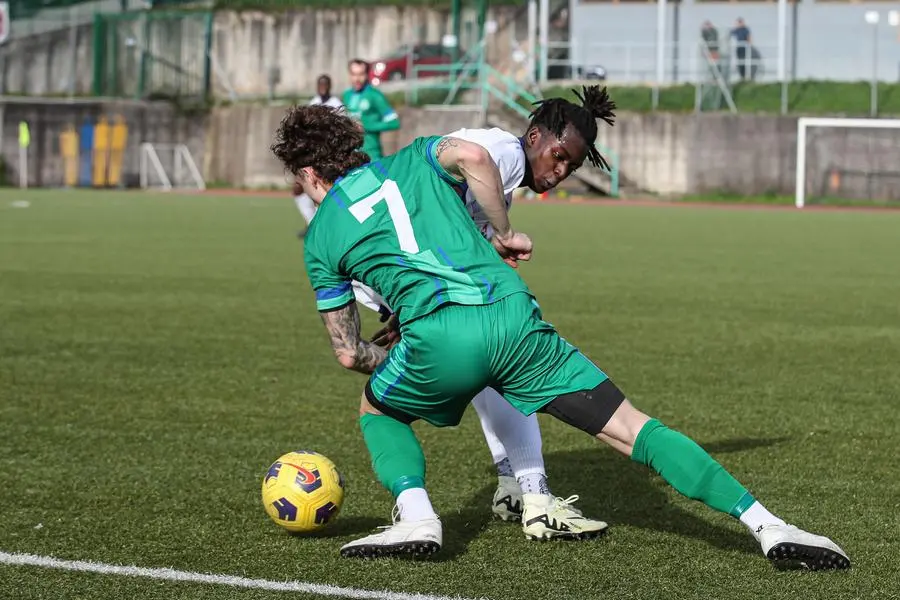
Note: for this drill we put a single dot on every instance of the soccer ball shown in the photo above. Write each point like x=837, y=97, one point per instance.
x=302, y=491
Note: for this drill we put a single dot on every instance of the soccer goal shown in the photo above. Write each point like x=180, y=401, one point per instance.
x=848, y=159
x=169, y=166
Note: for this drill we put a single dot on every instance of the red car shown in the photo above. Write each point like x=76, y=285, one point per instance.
x=397, y=65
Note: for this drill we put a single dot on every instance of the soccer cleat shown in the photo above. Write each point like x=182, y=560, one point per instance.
x=415, y=539
x=547, y=518
x=507, y=503
x=786, y=546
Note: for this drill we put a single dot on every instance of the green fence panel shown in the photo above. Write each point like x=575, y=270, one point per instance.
x=152, y=54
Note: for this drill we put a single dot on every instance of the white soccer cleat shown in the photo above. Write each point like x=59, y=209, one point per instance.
x=404, y=538
x=786, y=545
x=548, y=518
x=507, y=503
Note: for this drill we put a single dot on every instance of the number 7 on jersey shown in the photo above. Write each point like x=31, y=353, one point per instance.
x=390, y=193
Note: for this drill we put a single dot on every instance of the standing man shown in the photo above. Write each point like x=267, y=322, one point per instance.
x=369, y=106
x=741, y=35
x=323, y=96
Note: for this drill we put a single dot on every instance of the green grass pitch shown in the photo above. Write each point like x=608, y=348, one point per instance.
x=157, y=352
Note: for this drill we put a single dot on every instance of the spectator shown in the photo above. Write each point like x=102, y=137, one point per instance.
x=741, y=35
x=710, y=36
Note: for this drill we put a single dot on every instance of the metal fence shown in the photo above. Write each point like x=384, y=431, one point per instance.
x=152, y=54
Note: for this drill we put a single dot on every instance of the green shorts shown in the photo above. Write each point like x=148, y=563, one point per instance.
x=444, y=358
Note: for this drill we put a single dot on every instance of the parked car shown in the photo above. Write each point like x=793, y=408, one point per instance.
x=397, y=65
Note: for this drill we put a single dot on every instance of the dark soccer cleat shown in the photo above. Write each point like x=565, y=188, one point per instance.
x=788, y=546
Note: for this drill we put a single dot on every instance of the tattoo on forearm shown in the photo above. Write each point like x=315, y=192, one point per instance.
x=344, y=328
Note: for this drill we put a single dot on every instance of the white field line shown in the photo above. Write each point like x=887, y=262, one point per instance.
x=302, y=587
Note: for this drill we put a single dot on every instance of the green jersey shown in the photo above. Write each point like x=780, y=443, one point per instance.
x=376, y=114
x=398, y=227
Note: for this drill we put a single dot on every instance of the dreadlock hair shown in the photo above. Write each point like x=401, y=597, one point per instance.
x=555, y=114
x=320, y=137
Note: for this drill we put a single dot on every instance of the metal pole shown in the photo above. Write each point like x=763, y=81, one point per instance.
x=456, y=9
x=544, y=20
x=73, y=48
x=532, y=39
x=873, y=104
x=660, y=51
x=782, y=54
x=794, y=39
x=676, y=37
x=782, y=40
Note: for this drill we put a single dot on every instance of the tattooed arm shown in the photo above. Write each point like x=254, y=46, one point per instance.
x=351, y=351
x=473, y=164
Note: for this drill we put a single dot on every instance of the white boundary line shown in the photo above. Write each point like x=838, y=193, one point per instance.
x=302, y=587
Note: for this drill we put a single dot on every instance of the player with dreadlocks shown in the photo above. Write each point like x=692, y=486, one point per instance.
x=558, y=139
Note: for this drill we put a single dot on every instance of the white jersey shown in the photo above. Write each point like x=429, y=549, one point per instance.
x=332, y=101
x=509, y=156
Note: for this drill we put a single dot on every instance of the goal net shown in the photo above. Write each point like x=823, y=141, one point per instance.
x=169, y=166
x=841, y=161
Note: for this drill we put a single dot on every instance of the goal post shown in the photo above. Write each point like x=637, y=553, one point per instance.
x=169, y=166
x=804, y=124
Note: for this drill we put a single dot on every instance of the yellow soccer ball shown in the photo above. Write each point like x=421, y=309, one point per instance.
x=302, y=491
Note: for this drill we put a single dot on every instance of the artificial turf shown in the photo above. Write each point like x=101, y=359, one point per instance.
x=157, y=352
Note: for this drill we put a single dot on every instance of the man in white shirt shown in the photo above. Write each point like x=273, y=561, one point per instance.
x=323, y=96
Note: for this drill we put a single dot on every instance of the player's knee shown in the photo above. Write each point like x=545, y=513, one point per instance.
x=625, y=423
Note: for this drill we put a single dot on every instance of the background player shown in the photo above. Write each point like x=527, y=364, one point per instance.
x=467, y=321
x=368, y=105
x=323, y=96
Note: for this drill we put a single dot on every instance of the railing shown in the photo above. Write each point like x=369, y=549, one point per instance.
x=477, y=75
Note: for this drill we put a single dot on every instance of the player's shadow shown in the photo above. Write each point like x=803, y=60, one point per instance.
x=347, y=526
x=621, y=492
x=464, y=525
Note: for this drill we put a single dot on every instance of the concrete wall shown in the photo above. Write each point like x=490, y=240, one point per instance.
x=300, y=44
x=42, y=64
x=662, y=153
x=304, y=44
x=147, y=122
x=239, y=137
x=750, y=154
x=833, y=39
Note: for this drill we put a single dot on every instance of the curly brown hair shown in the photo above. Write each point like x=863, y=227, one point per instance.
x=320, y=137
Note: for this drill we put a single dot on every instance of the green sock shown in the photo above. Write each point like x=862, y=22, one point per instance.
x=689, y=469
x=397, y=457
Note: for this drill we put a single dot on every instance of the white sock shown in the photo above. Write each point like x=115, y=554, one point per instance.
x=756, y=517
x=306, y=207
x=518, y=435
x=415, y=505
x=480, y=402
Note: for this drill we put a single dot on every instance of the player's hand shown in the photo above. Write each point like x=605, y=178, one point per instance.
x=513, y=247
x=389, y=335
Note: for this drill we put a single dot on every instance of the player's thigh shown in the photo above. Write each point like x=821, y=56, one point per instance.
x=435, y=369
x=535, y=363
